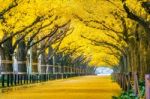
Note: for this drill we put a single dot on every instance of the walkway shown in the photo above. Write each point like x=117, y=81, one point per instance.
x=87, y=87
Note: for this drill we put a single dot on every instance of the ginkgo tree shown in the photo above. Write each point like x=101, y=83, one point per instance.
x=125, y=27
x=24, y=25
x=114, y=33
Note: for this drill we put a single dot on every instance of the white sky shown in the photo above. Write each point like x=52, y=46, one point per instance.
x=103, y=70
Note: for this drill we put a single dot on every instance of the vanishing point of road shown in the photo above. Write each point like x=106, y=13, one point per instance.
x=85, y=87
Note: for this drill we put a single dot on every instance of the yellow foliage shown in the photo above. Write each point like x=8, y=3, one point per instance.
x=87, y=87
x=27, y=11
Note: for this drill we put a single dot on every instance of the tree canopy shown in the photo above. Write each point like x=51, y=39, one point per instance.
x=100, y=29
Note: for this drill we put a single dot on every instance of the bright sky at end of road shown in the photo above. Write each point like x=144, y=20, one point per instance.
x=103, y=71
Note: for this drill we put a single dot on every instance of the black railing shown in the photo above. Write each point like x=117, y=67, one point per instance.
x=52, y=73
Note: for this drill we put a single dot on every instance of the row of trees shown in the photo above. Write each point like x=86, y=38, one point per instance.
x=128, y=27
x=26, y=29
x=29, y=33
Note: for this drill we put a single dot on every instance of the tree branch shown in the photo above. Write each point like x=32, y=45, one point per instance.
x=11, y=6
x=20, y=31
x=104, y=43
x=135, y=17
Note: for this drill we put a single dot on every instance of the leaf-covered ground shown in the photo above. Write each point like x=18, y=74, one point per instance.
x=87, y=87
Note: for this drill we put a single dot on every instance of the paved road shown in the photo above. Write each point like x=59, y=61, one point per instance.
x=87, y=87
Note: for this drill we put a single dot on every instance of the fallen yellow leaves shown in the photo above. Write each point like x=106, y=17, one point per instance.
x=87, y=87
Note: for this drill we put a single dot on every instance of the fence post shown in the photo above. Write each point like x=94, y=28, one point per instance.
x=147, y=86
x=11, y=79
x=3, y=80
x=15, y=79
x=136, y=83
x=8, y=79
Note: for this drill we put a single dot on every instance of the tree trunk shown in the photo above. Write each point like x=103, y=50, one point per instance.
x=21, y=57
x=34, y=59
x=7, y=52
x=50, y=59
x=2, y=55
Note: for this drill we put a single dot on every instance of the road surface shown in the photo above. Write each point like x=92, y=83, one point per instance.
x=86, y=87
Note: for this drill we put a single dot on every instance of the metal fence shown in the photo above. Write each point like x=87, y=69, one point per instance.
x=39, y=73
